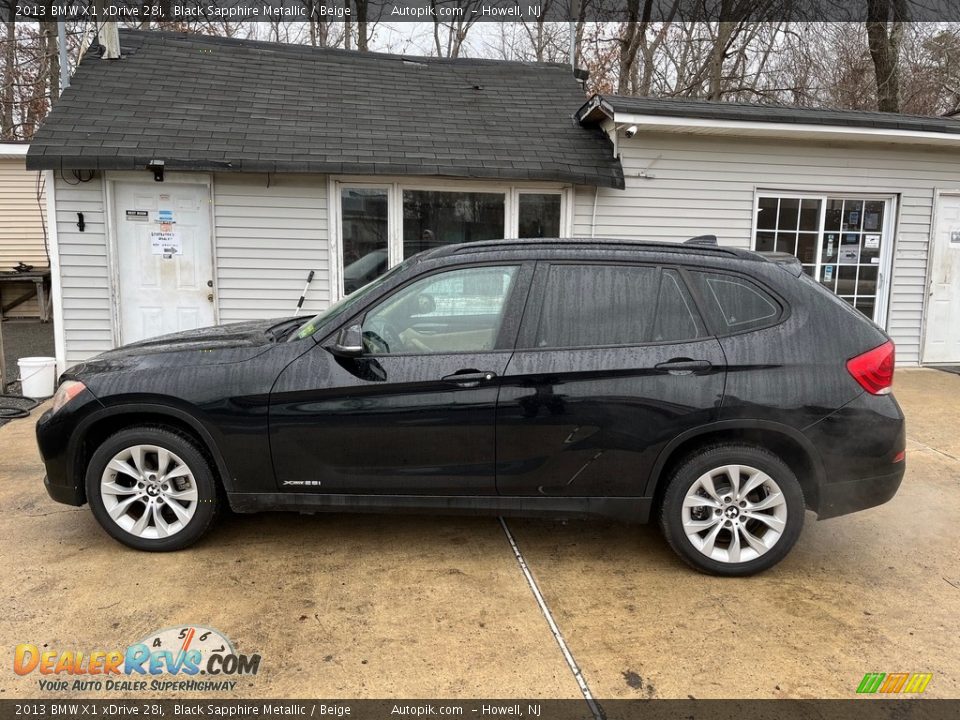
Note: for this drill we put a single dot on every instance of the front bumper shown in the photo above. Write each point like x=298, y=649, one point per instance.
x=841, y=498
x=66, y=494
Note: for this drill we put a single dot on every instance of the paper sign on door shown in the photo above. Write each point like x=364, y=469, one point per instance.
x=167, y=244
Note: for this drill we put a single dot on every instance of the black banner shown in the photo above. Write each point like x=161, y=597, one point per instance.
x=854, y=709
x=472, y=10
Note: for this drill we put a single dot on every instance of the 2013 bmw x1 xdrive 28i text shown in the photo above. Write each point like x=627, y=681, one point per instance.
x=717, y=389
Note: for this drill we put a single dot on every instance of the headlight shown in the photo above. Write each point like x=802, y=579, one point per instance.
x=67, y=391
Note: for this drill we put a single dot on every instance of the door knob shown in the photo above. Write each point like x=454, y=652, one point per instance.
x=210, y=297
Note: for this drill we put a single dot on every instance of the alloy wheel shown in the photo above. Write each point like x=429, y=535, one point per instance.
x=149, y=491
x=734, y=514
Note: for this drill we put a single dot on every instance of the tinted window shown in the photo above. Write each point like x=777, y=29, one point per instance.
x=734, y=303
x=589, y=305
x=676, y=320
x=454, y=311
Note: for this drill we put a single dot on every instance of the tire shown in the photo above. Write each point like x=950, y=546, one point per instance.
x=146, y=509
x=767, y=520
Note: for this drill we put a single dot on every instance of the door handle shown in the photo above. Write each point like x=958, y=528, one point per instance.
x=684, y=366
x=469, y=378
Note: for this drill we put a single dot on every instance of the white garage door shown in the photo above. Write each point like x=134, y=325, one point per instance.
x=943, y=308
x=165, y=259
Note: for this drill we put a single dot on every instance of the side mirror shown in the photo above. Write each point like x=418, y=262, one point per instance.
x=349, y=342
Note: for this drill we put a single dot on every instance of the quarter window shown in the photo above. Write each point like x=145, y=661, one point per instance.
x=596, y=305
x=734, y=303
x=454, y=311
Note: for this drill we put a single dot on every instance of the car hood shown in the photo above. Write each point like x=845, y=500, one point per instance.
x=235, y=342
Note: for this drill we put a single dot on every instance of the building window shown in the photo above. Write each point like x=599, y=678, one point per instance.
x=843, y=242
x=380, y=225
x=538, y=215
x=434, y=218
x=363, y=213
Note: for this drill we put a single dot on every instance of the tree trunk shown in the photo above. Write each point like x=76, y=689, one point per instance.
x=717, y=57
x=884, y=38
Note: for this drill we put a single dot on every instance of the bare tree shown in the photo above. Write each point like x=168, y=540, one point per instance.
x=884, y=25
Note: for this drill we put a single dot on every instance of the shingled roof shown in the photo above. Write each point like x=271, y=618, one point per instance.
x=607, y=105
x=218, y=104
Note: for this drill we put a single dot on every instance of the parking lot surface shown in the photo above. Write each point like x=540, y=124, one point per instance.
x=355, y=606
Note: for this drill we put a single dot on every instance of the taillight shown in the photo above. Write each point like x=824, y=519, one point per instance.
x=874, y=369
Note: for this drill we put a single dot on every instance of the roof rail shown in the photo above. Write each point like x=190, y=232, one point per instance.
x=702, y=240
x=607, y=243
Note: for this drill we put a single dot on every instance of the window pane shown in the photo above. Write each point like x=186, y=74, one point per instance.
x=676, y=319
x=765, y=242
x=873, y=215
x=767, y=213
x=834, y=213
x=867, y=283
x=364, y=231
x=852, y=214
x=866, y=306
x=846, y=280
x=807, y=247
x=787, y=242
x=588, y=305
x=788, y=217
x=810, y=215
x=735, y=303
x=432, y=218
x=455, y=311
x=539, y=215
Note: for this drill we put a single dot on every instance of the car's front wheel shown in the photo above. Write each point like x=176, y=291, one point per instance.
x=151, y=488
x=732, y=509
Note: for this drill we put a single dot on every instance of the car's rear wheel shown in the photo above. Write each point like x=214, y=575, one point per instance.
x=151, y=488
x=732, y=509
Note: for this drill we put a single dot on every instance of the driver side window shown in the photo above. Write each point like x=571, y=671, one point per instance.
x=454, y=311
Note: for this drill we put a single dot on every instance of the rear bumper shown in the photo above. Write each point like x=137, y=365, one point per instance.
x=841, y=498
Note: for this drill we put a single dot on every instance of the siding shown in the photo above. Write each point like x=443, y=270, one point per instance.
x=268, y=239
x=703, y=185
x=21, y=230
x=85, y=279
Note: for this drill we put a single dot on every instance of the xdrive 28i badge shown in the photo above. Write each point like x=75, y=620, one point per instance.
x=187, y=651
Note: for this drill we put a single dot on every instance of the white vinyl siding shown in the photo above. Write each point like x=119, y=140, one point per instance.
x=702, y=185
x=270, y=233
x=85, y=278
x=21, y=231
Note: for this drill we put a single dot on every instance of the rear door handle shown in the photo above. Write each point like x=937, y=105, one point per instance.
x=469, y=378
x=684, y=366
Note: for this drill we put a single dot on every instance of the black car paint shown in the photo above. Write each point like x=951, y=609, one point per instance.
x=587, y=431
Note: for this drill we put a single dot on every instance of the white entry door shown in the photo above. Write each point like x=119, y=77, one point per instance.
x=943, y=307
x=165, y=259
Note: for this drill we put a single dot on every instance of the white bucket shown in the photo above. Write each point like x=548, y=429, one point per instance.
x=37, y=376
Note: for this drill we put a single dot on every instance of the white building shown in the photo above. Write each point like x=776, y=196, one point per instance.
x=210, y=176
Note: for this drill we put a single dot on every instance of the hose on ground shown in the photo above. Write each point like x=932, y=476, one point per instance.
x=21, y=410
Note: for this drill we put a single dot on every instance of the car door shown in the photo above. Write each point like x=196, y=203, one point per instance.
x=415, y=413
x=612, y=362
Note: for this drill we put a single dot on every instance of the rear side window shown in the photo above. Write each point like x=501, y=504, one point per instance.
x=734, y=304
x=593, y=305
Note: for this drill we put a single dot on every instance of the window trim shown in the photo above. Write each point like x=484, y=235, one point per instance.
x=512, y=313
x=395, y=186
x=526, y=339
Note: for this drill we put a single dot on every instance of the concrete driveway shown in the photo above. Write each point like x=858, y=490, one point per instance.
x=357, y=606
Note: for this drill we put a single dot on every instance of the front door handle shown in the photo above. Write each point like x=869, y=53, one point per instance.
x=684, y=366
x=469, y=378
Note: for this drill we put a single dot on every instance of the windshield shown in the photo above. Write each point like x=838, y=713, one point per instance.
x=342, y=306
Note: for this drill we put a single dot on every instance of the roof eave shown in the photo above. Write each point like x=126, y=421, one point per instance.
x=800, y=131
x=48, y=161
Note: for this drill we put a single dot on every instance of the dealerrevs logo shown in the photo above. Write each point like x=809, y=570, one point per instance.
x=188, y=651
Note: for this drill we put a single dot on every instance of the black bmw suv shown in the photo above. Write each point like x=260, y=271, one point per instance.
x=718, y=390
